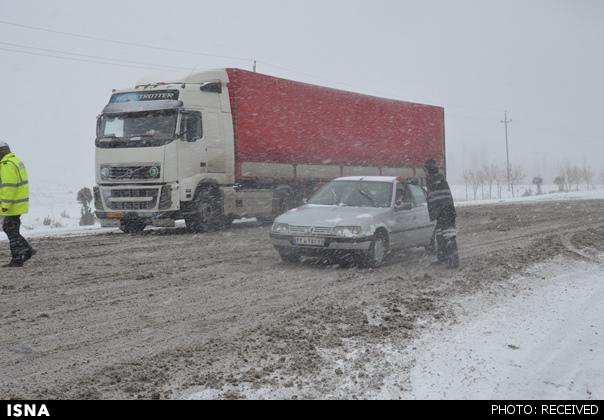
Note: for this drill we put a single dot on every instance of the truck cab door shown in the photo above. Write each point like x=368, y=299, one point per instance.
x=191, y=148
x=214, y=144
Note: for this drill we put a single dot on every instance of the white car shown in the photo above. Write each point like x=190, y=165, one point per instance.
x=364, y=217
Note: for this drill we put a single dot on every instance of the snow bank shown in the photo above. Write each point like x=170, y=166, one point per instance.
x=544, y=343
x=57, y=204
x=459, y=196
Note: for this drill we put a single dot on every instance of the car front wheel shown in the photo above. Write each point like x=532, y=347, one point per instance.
x=377, y=252
x=289, y=256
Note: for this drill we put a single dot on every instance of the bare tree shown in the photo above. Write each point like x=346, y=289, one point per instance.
x=516, y=176
x=482, y=179
x=85, y=198
x=490, y=175
x=467, y=179
x=560, y=182
x=587, y=175
x=573, y=176
x=501, y=177
x=538, y=181
x=474, y=182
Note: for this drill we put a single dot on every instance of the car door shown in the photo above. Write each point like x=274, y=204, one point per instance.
x=401, y=234
x=424, y=228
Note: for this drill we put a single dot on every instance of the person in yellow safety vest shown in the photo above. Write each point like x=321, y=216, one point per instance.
x=14, y=201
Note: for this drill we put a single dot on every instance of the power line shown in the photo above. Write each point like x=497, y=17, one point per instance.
x=93, y=56
x=82, y=60
x=120, y=42
x=249, y=60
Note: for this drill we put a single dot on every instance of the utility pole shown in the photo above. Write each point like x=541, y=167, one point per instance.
x=507, y=147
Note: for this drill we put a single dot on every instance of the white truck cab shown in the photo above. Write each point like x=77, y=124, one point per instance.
x=157, y=145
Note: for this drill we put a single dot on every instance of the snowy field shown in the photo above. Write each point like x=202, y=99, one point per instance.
x=543, y=342
x=550, y=193
x=57, y=206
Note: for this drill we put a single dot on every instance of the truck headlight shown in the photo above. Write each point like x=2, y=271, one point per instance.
x=153, y=172
x=105, y=172
x=280, y=228
x=348, y=231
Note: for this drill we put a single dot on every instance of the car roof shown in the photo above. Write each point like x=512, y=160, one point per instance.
x=368, y=178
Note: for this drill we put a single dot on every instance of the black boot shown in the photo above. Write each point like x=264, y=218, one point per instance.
x=452, y=254
x=14, y=263
x=453, y=261
x=28, y=254
x=441, y=249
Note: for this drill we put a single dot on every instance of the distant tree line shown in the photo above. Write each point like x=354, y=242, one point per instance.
x=489, y=181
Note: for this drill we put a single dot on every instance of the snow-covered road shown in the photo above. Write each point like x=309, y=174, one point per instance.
x=170, y=314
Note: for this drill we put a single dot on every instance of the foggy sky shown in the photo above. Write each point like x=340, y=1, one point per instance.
x=540, y=60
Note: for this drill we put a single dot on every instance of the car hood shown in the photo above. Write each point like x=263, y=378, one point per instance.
x=330, y=216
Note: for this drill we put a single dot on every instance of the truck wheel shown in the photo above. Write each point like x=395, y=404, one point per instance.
x=283, y=200
x=374, y=258
x=132, y=226
x=289, y=256
x=207, y=212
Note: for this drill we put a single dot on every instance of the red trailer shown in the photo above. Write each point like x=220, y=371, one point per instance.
x=279, y=121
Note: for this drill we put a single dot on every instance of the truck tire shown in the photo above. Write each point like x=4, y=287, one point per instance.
x=132, y=226
x=283, y=200
x=376, y=254
x=207, y=212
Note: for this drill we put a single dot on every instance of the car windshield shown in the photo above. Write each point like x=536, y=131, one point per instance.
x=354, y=194
x=145, y=126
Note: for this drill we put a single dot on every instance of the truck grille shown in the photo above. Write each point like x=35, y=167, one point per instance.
x=142, y=199
x=150, y=171
x=310, y=230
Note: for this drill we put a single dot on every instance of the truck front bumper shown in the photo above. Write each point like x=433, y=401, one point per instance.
x=142, y=199
x=159, y=219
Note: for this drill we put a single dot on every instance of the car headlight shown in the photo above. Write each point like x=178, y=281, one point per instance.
x=348, y=231
x=281, y=228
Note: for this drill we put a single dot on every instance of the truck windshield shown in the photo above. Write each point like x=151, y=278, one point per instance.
x=354, y=194
x=138, y=129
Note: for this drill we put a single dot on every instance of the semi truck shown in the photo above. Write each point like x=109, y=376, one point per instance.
x=226, y=144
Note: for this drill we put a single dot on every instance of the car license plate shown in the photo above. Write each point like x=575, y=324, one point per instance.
x=115, y=215
x=309, y=241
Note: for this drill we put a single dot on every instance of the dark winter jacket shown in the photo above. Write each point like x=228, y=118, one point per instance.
x=439, y=196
